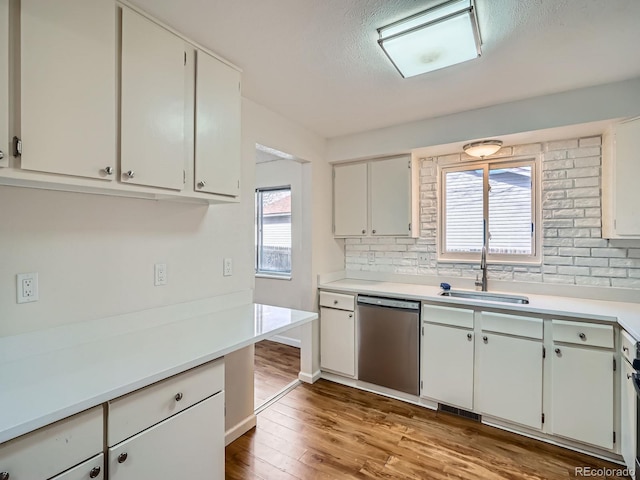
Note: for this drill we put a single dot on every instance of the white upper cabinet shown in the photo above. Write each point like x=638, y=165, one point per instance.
x=391, y=197
x=68, y=87
x=4, y=83
x=621, y=169
x=217, y=136
x=350, y=200
x=153, y=147
x=376, y=198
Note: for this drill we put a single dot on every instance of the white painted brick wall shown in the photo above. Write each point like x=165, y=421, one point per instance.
x=573, y=250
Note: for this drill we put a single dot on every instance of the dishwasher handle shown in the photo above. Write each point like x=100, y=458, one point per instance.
x=388, y=302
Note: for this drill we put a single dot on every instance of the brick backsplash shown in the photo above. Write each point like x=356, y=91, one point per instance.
x=573, y=250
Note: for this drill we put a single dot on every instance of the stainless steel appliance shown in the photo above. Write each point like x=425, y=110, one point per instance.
x=389, y=343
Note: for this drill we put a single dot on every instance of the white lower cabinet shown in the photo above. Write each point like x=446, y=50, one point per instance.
x=582, y=395
x=510, y=379
x=338, y=336
x=92, y=468
x=628, y=417
x=447, y=365
x=187, y=445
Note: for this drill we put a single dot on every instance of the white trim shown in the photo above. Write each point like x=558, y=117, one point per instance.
x=277, y=396
x=307, y=378
x=240, y=429
x=273, y=276
x=292, y=342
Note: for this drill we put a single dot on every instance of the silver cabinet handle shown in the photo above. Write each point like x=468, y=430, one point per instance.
x=201, y=184
x=625, y=349
x=469, y=336
x=628, y=376
x=130, y=174
x=582, y=336
x=485, y=339
x=335, y=302
x=351, y=315
x=122, y=457
x=95, y=471
x=4, y=475
x=373, y=231
x=364, y=231
x=558, y=352
x=108, y=170
x=1, y=157
x=178, y=396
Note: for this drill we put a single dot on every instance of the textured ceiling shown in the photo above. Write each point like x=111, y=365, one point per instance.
x=317, y=62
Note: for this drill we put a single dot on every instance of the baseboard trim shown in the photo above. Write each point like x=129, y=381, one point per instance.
x=292, y=342
x=240, y=429
x=306, y=378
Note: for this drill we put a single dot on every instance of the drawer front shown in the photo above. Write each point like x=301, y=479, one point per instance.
x=592, y=334
x=143, y=408
x=92, y=468
x=457, y=317
x=337, y=300
x=628, y=346
x=54, y=448
x=529, y=327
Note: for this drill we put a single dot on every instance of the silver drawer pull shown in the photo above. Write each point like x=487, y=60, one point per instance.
x=469, y=336
x=130, y=174
x=95, y=471
x=558, y=351
x=351, y=315
x=108, y=171
x=178, y=396
x=625, y=349
x=202, y=184
x=122, y=457
x=485, y=339
x=582, y=336
x=4, y=475
x=335, y=302
x=628, y=376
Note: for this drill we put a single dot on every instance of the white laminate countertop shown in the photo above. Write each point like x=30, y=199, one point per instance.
x=626, y=314
x=52, y=374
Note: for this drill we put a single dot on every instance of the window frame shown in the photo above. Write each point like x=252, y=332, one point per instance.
x=535, y=258
x=259, y=218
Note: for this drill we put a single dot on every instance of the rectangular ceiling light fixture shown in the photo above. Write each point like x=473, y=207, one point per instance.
x=436, y=38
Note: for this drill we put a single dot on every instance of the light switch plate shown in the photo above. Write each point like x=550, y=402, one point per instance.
x=227, y=267
x=26, y=287
x=160, y=274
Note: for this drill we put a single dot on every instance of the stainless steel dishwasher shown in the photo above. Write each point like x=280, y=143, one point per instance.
x=389, y=343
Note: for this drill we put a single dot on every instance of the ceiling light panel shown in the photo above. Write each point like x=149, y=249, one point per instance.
x=431, y=40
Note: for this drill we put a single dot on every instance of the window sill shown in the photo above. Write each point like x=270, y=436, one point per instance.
x=273, y=276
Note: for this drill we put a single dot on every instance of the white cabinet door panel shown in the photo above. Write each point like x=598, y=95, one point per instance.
x=627, y=172
x=510, y=379
x=390, y=197
x=68, y=86
x=189, y=445
x=217, y=160
x=628, y=417
x=582, y=395
x=337, y=341
x=153, y=104
x=447, y=365
x=350, y=200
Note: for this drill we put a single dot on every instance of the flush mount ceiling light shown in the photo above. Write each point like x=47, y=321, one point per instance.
x=482, y=148
x=436, y=38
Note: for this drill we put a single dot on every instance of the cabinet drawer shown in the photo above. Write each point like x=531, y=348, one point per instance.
x=529, y=327
x=457, y=317
x=337, y=300
x=591, y=334
x=628, y=346
x=54, y=448
x=143, y=408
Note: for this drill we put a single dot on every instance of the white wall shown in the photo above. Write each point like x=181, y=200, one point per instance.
x=288, y=292
x=614, y=100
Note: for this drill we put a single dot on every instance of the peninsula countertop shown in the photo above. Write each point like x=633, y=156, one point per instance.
x=51, y=374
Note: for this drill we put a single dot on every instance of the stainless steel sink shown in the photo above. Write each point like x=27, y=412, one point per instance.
x=486, y=296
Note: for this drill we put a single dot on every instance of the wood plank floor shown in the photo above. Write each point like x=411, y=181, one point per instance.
x=329, y=431
x=276, y=366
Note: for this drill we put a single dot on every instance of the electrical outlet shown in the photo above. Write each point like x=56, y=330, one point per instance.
x=227, y=267
x=371, y=256
x=423, y=258
x=27, y=287
x=160, y=274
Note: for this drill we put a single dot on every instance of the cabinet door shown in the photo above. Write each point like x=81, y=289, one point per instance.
x=509, y=382
x=582, y=395
x=217, y=160
x=337, y=341
x=628, y=417
x=350, y=200
x=93, y=468
x=4, y=83
x=627, y=171
x=447, y=365
x=153, y=104
x=189, y=445
x=391, y=197
x=68, y=85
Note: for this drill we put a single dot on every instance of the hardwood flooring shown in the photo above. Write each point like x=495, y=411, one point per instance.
x=276, y=366
x=329, y=431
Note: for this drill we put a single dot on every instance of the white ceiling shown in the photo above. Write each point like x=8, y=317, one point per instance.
x=317, y=62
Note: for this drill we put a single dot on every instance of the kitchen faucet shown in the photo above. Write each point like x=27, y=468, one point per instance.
x=483, y=267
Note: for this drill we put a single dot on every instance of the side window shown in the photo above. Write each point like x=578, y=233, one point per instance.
x=273, y=231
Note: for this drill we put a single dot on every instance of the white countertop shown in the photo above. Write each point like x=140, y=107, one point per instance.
x=626, y=314
x=51, y=374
